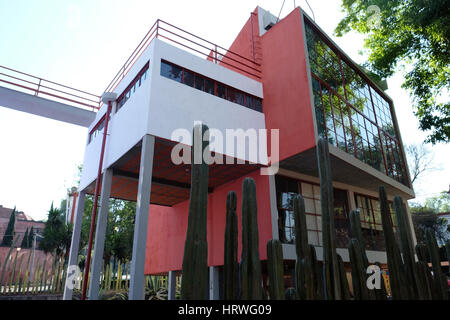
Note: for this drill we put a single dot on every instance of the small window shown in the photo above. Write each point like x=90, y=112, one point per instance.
x=199, y=82
x=240, y=98
x=221, y=91
x=188, y=78
x=209, y=86
x=170, y=71
x=231, y=94
x=257, y=104
x=249, y=101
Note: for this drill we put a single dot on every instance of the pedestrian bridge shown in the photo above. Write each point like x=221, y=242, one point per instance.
x=23, y=92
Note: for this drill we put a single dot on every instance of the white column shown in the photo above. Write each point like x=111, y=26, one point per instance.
x=172, y=285
x=213, y=283
x=74, y=246
x=100, y=232
x=137, y=285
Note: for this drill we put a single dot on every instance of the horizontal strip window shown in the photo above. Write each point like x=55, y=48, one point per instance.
x=98, y=129
x=202, y=83
x=133, y=86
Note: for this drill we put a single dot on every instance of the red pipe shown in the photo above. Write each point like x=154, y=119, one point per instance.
x=94, y=209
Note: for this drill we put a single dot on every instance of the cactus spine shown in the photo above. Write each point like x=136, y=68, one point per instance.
x=251, y=278
x=330, y=263
x=275, y=269
x=195, y=260
x=231, y=267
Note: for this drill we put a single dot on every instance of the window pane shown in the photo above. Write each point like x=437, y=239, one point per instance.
x=221, y=90
x=209, y=86
x=231, y=94
x=171, y=71
x=188, y=78
x=240, y=98
x=199, y=82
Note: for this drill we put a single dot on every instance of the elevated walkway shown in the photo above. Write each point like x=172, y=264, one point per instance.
x=23, y=92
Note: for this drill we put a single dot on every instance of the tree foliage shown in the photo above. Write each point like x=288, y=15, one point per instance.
x=425, y=216
x=25, y=243
x=420, y=160
x=57, y=233
x=414, y=35
x=9, y=233
x=119, y=229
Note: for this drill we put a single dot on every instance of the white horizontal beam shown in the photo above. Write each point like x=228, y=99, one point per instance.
x=28, y=103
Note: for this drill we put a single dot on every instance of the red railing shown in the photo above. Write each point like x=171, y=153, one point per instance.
x=25, y=82
x=160, y=29
x=192, y=43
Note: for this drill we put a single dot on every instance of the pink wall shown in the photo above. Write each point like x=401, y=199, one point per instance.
x=287, y=104
x=167, y=227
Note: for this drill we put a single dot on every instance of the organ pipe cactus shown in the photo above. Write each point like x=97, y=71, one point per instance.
x=394, y=259
x=330, y=263
x=231, y=267
x=250, y=268
x=275, y=269
x=343, y=277
x=307, y=277
x=360, y=290
x=440, y=280
x=195, y=260
x=406, y=246
x=355, y=227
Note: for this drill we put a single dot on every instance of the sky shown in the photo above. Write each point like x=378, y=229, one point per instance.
x=83, y=43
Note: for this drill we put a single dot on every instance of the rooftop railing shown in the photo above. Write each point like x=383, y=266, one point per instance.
x=40, y=87
x=178, y=37
x=192, y=43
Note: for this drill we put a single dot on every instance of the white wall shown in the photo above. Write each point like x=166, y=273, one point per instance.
x=162, y=105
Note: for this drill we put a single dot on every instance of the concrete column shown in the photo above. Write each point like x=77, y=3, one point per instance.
x=172, y=285
x=213, y=283
x=137, y=284
x=100, y=232
x=74, y=246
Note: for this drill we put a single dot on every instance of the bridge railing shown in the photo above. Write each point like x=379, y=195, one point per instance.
x=40, y=87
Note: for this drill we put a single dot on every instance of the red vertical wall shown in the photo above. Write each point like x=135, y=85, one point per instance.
x=282, y=55
x=167, y=227
x=287, y=104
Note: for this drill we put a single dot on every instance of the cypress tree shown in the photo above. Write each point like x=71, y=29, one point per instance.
x=30, y=237
x=25, y=242
x=9, y=233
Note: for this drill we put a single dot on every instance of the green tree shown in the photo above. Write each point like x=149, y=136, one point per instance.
x=25, y=239
x=119, y=229
x=31, y=237
x=9, y=233
x=439, y=203
x=57, y=234
x=425, y=218
x=413, y=35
